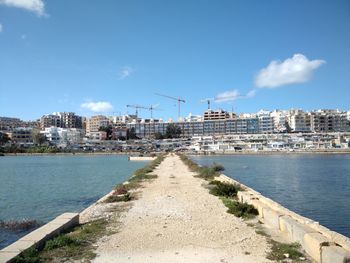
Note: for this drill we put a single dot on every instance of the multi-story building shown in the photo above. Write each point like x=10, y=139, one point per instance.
x=98, y=135
x=7, y=123
x=216, y=115
x=70, y=120
x=61, y=120
x=50, y=120
x=329, y=121
x=265, y=122
x=94, y=123
x=56, y=135
x=298, y=121
x=22, y=136
x=279, y=120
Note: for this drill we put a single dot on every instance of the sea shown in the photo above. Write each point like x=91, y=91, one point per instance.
x=316, y=186
x=42, y=187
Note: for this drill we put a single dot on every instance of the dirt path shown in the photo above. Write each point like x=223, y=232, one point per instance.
x=177, y=220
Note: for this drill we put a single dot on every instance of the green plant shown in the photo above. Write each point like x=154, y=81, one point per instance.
x=121, y=189
x=76, y=245
x=118, y=198
x=224, y=189
x=218, y=167
x=61, y=241
x=278, y=251
x=243, y=210
x=31, y=255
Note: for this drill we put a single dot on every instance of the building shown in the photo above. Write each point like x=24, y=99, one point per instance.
x=329, y=121
x=98, y=135
x=70, y=120
x=7, y=123
x=298, y=121
x=279, y=120
x=61, y=120
x=216, y=115
x=22, y=136
x=94, y=123
x=265, y=122
x=56, y=135
x=50, y=120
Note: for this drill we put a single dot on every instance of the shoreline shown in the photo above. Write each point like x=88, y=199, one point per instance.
x=325, y=152
x=269, y=153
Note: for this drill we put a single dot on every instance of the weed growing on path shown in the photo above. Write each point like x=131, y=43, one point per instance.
x=279, y=251
x=76, y=245
x=243, y=210
x=224, y=189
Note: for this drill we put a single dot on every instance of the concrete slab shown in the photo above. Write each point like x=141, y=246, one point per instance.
x=40, y=235
x=313, y=243
x=341, y=240
x=7, y=256
x=271, y=217
x=286, y=225
x=335, y=254
x=259, y=206
x=18, y=246
x=68, y=216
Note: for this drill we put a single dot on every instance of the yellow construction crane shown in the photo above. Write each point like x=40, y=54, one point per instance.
x=178, y=99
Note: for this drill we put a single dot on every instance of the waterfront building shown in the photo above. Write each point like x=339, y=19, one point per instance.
x=7, y=123
x=298, y=121
x=94, y=123
x=63, y=136
x=279, y=120
x=50, y=120
x=22, y=136
x=329, y=121
x=61, y=120
x=70, y=120
x=265, y=122
x=97, y=136
x=216, y=115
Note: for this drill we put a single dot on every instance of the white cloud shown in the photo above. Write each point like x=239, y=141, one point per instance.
x=98, y=106
x=227, y=96
x=36, y=6
x=251, y=93
x=233, y=95
x=0, y=28
x=297, y=69
x=125, y=72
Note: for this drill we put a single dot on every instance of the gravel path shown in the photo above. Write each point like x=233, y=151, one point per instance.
x=177, y=220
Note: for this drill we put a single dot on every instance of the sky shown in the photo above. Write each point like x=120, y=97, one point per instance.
x=95, y=57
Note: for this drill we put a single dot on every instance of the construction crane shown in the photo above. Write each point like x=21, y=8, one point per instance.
x=178, y=99
x=150, y=108
x=137, y=107
x=208, y=100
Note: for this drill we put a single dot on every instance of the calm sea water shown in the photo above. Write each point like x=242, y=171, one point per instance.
x=43, y=187
x=315, y=186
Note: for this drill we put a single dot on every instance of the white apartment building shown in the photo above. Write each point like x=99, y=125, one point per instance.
x=265, y=122
x=299, y=121
x=56, y=135
x=279, y=120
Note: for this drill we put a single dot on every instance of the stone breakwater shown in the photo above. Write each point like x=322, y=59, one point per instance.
x=38, y=237
x=322, y=244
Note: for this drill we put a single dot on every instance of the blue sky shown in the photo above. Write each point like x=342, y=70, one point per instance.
x=95, y=57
